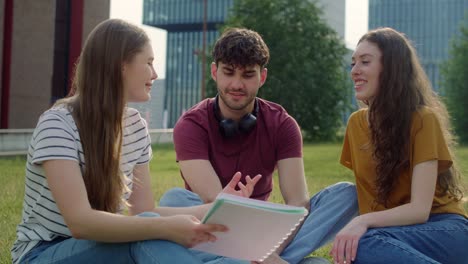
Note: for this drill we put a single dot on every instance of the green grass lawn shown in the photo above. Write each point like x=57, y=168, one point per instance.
x=321, y=166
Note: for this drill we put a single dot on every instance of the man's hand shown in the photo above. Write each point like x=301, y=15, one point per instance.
x=245, y=190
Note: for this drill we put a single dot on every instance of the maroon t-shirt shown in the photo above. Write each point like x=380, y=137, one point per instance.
x=276, y=136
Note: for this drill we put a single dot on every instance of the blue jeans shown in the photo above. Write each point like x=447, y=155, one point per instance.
x=330, y=210
x=442, y=239
x=70, y=250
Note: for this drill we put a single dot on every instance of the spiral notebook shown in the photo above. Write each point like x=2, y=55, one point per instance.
x=256, y=228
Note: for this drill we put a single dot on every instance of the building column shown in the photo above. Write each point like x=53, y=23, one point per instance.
x=7, y=25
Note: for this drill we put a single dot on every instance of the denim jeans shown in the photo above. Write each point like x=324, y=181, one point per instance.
x=442, y=239
x=330, y=210
x=70, y=250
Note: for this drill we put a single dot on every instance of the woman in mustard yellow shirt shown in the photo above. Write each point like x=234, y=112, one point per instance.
x=401, y=152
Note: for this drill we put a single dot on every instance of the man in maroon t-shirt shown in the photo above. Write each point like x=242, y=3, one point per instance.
x=275, y=138
x=236, y=132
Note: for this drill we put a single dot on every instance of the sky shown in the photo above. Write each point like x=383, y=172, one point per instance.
x=356, y=21
x=356, y=25
x=132, y=11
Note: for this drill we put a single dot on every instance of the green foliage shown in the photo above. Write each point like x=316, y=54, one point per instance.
x=306, y=73
x=12, y=191
x=455, y=82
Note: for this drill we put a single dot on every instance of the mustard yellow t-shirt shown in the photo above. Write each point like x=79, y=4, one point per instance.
x=426, y=143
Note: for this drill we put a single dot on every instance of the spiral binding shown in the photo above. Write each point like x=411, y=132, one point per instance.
x=284, y=238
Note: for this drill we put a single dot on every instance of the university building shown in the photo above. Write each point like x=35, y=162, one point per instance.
x=39, y=44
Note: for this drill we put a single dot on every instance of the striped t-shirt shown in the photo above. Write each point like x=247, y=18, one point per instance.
x=56, y=137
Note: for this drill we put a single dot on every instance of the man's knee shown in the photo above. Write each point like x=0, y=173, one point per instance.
x=148, y=214
x=174, y=192
x=179, y=197
x=344, y=187
x=344, y=190
x=172, y=197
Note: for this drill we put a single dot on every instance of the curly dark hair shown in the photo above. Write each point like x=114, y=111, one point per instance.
x=403, y=89
x=241, y=47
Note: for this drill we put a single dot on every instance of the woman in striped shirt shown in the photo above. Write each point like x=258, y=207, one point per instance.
x=88, y=160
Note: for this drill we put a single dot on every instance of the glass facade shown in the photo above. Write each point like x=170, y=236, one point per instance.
x=430, y=24
x=183, y=20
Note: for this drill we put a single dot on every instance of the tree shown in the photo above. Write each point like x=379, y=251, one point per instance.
x=306, y=70
x=455, y=83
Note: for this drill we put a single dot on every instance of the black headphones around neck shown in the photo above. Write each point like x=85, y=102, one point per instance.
x=228, y=127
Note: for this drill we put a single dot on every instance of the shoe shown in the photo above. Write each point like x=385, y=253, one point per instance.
x=314, y=260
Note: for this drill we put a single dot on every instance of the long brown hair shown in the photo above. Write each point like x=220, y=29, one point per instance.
x=98, y=107
x=403, y=89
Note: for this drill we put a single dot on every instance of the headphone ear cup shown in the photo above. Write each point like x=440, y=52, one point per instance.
x=228, y=128
x=247, y=123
